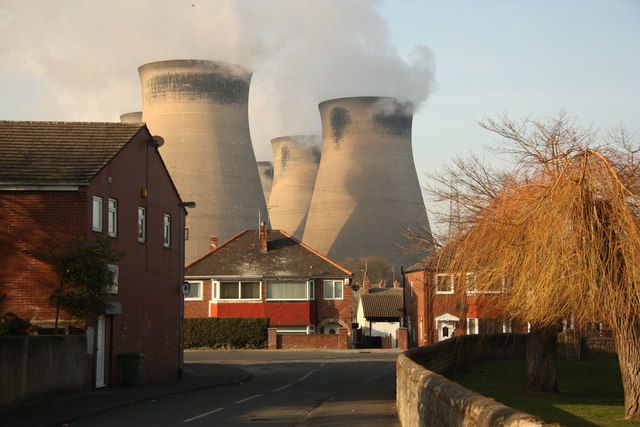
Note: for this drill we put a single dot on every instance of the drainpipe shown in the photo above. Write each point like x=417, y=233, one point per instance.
x=182, y=223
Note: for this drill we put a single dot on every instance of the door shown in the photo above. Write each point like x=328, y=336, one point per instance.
x=445, y=329
x=100, y=352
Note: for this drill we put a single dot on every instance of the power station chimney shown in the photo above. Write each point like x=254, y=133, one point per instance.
x=265, y=169
x=133, y=117
x=295, y=165
x=200, y=108
x=367, y=188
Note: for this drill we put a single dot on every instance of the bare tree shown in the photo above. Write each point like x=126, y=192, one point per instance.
x=561, y=223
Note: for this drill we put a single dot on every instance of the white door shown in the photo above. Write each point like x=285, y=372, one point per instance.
x=445, y=329
x=100, y=352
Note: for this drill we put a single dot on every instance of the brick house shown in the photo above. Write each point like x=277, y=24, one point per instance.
x=269, y=274
x=61, y=183
x=442, y=304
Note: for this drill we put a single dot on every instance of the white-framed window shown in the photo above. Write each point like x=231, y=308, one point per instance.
x=234, y=290
x=333, y=289
x=113, y=286
x=96, y=222
x=166, y=230
x=487, y=326
x=312, y=289
x=112, y=217
x=472, y=284
x=444, y=283
x=472, y=326
x=288, y=291
x=142, y=224
x=195, y=291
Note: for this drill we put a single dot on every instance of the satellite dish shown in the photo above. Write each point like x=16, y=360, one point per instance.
x=355, y=288
x=158, y=140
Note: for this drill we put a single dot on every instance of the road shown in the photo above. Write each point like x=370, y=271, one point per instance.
x=287, y=388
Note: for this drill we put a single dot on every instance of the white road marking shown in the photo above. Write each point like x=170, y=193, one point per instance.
x=307, y=375
x=248, y=398
x=203, y=415
x=282, y=388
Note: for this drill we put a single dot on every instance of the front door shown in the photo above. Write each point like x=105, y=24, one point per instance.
x=100, y=352
x=445, y=329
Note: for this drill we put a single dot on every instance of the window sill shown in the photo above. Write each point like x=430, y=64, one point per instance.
x=444, y=292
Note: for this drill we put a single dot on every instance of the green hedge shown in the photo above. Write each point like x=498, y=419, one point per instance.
x=229, y=332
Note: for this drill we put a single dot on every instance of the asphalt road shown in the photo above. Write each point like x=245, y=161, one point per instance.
x=287, y=388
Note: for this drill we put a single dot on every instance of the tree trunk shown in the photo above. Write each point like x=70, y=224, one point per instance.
x=541, y=360
x=628, y=348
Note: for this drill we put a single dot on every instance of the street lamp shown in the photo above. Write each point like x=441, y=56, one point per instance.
x=182, y=223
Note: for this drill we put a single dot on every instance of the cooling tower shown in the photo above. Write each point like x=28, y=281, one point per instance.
x=200, y=108
x=134, y=117
x=295, y=166
x=367, y=189
x=265, y=170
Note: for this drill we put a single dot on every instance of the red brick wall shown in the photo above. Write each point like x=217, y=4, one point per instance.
x=34, y=224
x=325, y=341
x=415, y=300
x=338, y=309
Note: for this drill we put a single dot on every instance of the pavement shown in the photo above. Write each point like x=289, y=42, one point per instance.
x=58, y=411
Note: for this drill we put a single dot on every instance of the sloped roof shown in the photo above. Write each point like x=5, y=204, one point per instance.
x=382, y=305
x=59, y=153
x=286, y=257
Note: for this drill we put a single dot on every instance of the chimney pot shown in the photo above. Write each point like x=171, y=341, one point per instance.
x=213, y=242
x=263, y=236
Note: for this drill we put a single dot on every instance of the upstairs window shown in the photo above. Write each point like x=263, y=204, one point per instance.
x=96, y=223
x=112, y=218
x=290, y=291
x=239, y=290
x=166, y=230
x=333, y=289
x=444, y=283
x=472, y=285
x=142, y=224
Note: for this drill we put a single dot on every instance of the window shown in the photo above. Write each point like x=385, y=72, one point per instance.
x=289, y=291
x=166, y=231
x=238, y=290
x=97, y=213
x=487, y=326
x=472, y=326
x=444, y=283
x=312, y=289
x=472, y=285
x=195, y=290
x=333, y=289
x=112, y=218
x=113, y=286
x=142, y=224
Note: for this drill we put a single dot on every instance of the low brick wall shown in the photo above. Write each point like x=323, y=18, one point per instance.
x=426, y=398
x=33, y=367
x=303, y=341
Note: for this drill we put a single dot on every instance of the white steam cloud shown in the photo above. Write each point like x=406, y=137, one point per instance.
x=71, y=60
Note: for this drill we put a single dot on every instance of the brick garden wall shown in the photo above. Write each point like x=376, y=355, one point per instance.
x=425, y=397
x=303, y=341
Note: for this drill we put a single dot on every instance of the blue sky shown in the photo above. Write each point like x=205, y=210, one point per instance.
x=69, y=60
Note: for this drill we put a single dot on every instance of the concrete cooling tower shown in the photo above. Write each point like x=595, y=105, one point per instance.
x=295, y=166
x=200, y=108
x=134, y=117
x=367, y=188
x=265, y=169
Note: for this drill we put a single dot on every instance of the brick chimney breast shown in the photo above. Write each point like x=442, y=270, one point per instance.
x=263, y=236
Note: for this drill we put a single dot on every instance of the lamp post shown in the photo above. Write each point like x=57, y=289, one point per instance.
x=181, y=227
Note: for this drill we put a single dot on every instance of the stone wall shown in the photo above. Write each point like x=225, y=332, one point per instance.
x=426, y=398
x=33, y=367
x=302, y=341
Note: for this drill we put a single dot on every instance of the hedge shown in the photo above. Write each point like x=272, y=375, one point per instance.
x=228, y=332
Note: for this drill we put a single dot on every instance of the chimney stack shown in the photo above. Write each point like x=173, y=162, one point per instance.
x=213, y=242
x=263, y=236
x=366, y=283
x=396, y=284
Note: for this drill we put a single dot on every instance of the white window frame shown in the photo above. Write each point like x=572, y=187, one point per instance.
x=312, y=290
x=112, y=217
x=476, y=291
x=166, y=230
x=308, y=291
x=200, y=284
x=113, y=286
x=215, y=292
x=476, y=330
x=98, y=226
x=142, y=224
x=453, y=284
x=334, y=283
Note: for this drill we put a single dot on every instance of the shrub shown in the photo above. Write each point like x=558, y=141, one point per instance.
x=230, y=332
x=10, y=324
